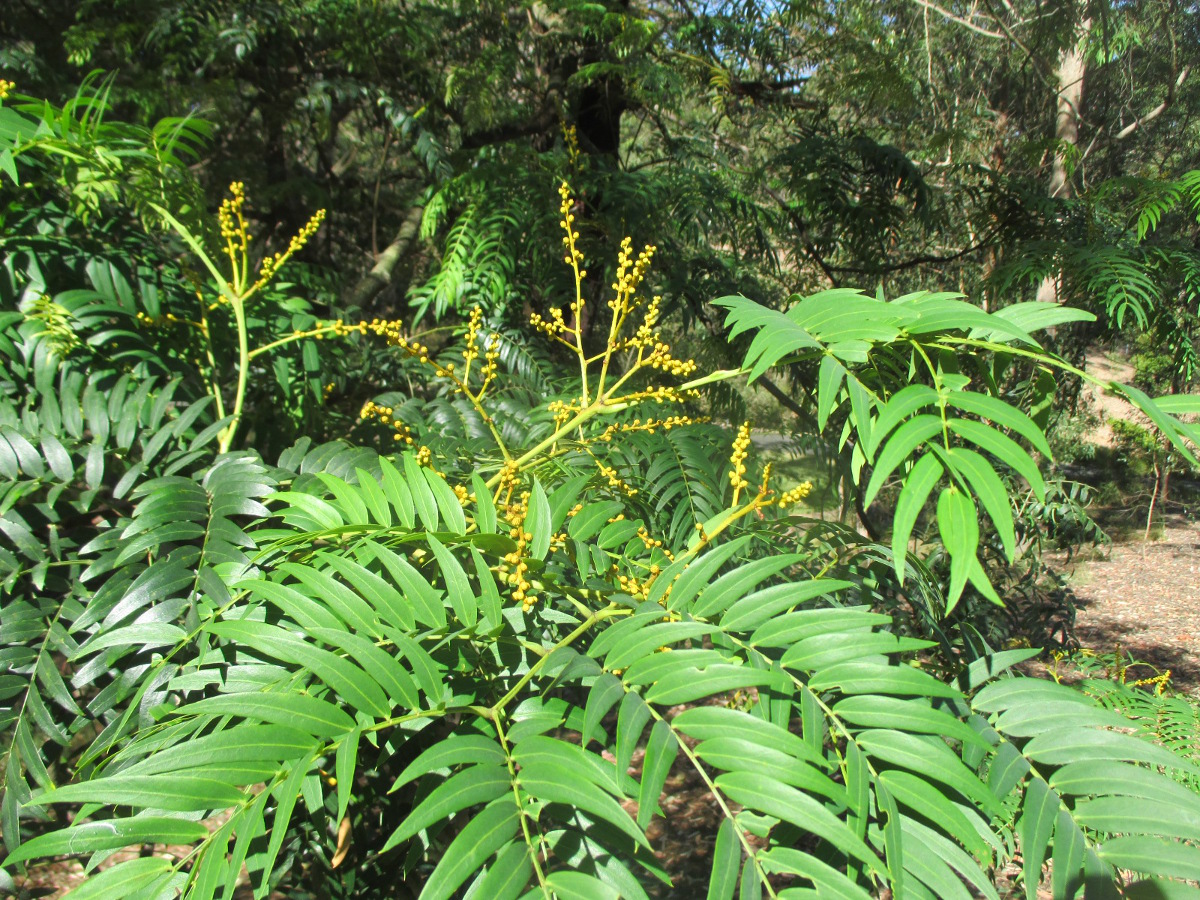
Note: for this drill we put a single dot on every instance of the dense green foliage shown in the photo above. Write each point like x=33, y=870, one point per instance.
x=428, y=581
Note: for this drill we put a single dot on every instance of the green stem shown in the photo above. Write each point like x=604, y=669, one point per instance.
x=214, y=384
x=716, y=795
x=239, y=315
x=266, y=348
x=600, y=615
x=524, y=814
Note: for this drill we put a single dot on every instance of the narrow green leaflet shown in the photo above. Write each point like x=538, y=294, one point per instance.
x=425, y=600
x=345, y=761
x=958, y=524
x=485, y=834
x=988, y=487
x=569, y=885
x=178, y=793
x=926, y=473
x=687, y=685
x=989, y=407
x=1066, y=861
x=447, y=502
x=557, y=783
x=398, y=494
x=125, y=879
x=602, y=697
x=1151, y=856
x=727, y=860
x=507, y=876
x=470, y=787
x=485, y=509
x=374, y=498
x=661, y=751
x=458, y=586
x=422, y=495
x=1039, y=810
x=907, y=438
x=899, y=408
x=109, y=834
x=775, y=799
x=830, y=376
x=1004, y=449
x=829, y=882
x=929, y=757
x=537, y=522
x=456, y=750
x=317, y=717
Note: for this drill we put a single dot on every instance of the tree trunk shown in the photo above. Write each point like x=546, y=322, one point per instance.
x=1072, y=67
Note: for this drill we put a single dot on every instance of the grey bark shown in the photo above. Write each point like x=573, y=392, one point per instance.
x=388, y=267
x=1072, y=67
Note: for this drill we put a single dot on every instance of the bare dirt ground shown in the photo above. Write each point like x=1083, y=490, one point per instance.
x=1144, y=598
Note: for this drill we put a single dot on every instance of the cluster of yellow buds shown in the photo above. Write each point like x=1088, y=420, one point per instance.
x=571, y=142
x=1160, y=682
x=471, y=353
x=514, y=514
x=650, y=425
x=5, y=87
x=272, y=264
x=737, y=461
x=554, y=327
x=391, y=330
x=660, y=358
x=661, y=394
x=162, y=321
x=558, y=541
x=795, y=495
x=55, y=320
x=614, y=479
x=232, y=222
x=634, y=587
x=562, y=410
x=424, y=456
x=651, y=543
x=491, y=354
x=419, y=352
x=647, y=333
x=630, y=277
x=573, y=256
x=386, y=416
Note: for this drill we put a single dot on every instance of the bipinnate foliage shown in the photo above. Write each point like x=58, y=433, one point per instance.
x=449, y=657
x=1127, y=248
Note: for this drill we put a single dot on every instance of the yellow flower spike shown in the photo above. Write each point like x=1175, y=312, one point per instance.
x=795, y=495
x=271, y=265
x=737, y=461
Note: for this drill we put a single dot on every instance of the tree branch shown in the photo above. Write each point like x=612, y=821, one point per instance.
x=915, y=261
x=966, y=23
x=381, y=274
x=1157, y=111
x=802, y=227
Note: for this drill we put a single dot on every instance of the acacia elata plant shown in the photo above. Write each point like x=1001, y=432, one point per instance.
x=434, y=671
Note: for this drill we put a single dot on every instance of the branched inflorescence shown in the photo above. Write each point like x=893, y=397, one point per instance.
x=385, y=415
x=606, y=388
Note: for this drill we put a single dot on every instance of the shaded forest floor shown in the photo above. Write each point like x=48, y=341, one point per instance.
x=1143, y=597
